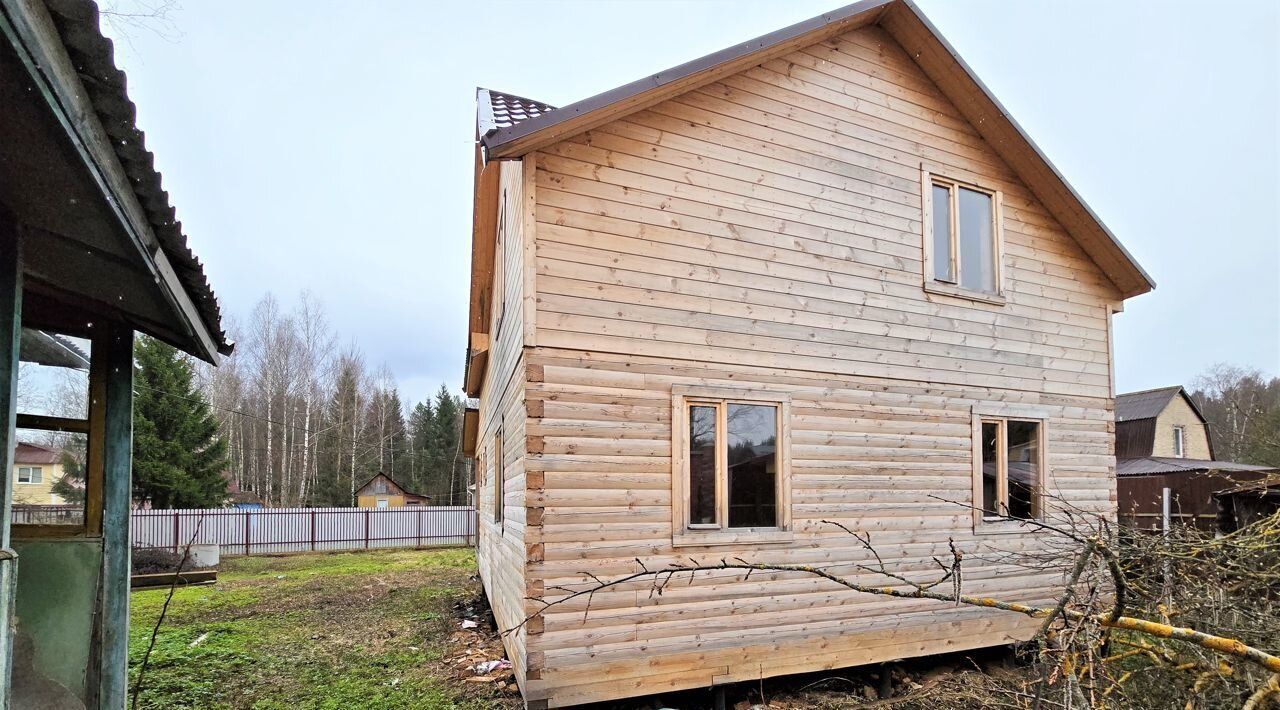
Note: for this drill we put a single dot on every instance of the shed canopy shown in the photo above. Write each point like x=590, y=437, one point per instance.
x=97, y=229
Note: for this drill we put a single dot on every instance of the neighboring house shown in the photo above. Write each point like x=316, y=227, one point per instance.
x=1162, y=422
x=382, y=492
x=1163, y=442
x=91, y=252
x=817, y=276
x=35, y=470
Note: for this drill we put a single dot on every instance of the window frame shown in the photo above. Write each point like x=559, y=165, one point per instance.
x=930, y=178
x=1179, y=441
x=499, y=480
x=682, y=532
x=1003, y=414
x=29, y=469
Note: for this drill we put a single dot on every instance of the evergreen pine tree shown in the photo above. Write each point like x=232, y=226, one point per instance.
x=178, y=453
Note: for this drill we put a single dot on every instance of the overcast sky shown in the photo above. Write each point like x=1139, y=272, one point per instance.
x=327, y=146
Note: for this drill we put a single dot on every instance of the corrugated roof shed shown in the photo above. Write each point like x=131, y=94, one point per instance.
x=77, y=22
x=1157, y=465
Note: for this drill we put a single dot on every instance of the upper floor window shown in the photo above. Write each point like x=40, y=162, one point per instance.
x=30, y=474
x=1179, y=442
x=962, y=242
x=731, y=481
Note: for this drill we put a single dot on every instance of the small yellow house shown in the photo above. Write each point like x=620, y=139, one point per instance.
x=35, y=470
x=382, y=492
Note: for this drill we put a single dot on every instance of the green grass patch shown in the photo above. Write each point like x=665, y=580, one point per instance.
x=325, y=630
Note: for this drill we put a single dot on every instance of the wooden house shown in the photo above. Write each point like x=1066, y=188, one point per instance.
x=90, y=252
x=382, y=492
x=1166, y=472
x=818, y=277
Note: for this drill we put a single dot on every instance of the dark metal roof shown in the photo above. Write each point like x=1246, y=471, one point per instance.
x=77, y=23
x=1156, y=465
x=496, y=110
x=1146, y=404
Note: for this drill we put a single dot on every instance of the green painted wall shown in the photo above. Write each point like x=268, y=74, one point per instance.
x=57, y=584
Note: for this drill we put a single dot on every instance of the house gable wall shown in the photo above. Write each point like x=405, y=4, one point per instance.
x=1180, y=413
x=765, y=231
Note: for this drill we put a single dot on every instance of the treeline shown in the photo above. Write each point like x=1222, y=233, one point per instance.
x=306, y=422
x=1243, y=409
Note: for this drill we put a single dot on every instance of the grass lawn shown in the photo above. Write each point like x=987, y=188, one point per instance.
x=329, y=630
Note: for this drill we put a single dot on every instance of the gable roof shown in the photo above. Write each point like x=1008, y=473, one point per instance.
x=33, y=453
x=910, y=28
x=392, y=481
x=1148, y=404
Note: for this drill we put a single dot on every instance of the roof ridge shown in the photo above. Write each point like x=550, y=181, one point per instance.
x=1149, y=391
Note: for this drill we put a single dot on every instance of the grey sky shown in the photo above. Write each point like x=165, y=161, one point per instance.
x=327, y=146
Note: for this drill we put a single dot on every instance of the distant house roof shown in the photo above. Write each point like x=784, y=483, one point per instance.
x=33, y=453
x=1158, y=465
x=1148, y=404
x=404, y=491
x=910, y=28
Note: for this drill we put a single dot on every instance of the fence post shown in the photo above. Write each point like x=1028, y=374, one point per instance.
x=176, y=541
x=313, y=529
x=418, y=516
x=366, y=528
x=247, y=529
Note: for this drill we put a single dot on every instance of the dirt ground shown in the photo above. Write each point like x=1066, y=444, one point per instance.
x=410, y=629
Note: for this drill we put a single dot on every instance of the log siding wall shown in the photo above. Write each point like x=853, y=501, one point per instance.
x=765, y=231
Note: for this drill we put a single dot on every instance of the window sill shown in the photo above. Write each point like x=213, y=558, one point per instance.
x=1003, y=527
x=957, y=292
x=699, y=538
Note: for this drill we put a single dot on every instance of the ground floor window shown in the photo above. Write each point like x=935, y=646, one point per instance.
x=1008, y=462
x=730, y=474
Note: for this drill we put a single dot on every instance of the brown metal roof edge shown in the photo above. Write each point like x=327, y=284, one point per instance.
x=955, y=56
x=498, y=138
x=494, y=141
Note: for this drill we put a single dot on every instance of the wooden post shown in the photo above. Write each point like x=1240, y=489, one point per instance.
x=313, y=529
x=247, y=528
x=10, y=333
x=419, y=517
x=177, y=542
x=366, y=528
x=117, y=493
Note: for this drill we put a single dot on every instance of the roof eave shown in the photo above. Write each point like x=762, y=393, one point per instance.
x=526, y=136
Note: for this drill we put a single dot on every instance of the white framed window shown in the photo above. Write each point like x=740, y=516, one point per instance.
x=30, y=474
x=963, y=238
x=1009, y=467
x=1179, y=442
x=731, y=473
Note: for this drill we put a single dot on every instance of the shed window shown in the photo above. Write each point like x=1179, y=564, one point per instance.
x=1179, y=442
x=962, y=237
x=30, y=474
x=499, y=478
x=1009, y=458
x=731, y=469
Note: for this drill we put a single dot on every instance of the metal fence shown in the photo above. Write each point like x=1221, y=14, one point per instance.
x=29, y=514
x=265, y=530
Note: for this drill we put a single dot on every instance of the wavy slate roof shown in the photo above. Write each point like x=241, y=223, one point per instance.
x=1148, y=404
x=498, y=110
x=1156, y=465
x=77, y=23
